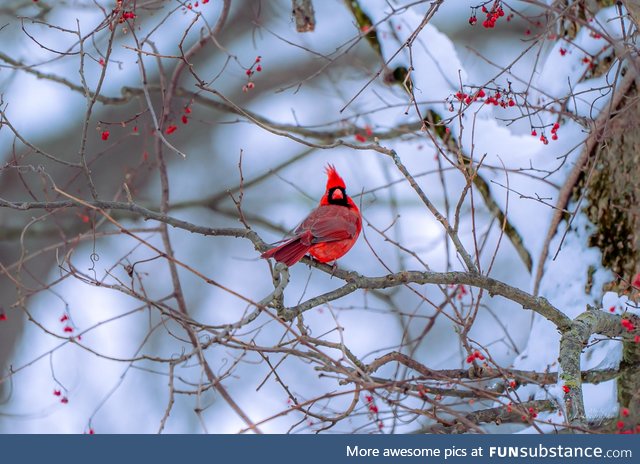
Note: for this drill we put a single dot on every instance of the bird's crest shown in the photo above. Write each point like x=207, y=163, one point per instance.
x=333, y=178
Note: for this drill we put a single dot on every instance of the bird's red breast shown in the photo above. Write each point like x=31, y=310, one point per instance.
x=328, y=232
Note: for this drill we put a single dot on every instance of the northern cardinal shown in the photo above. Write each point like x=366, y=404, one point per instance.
x=328, y=232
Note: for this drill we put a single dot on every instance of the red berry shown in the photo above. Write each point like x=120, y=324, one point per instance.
x=361, y=138
x=171, y=129
x=105, y=135
x=534, y=133
x=185, y=120
x=566, y=388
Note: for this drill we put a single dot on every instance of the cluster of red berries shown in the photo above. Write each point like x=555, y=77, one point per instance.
x=467, y=98
x=64, y=319
x=185, y=118
x=543, y=138
x=588, y=60
x=475, y=355
x=497, y=99
x=127, y=15
x=422, y=390
x=630, y=327
x=173, y=127
x=63, y=398
x=120, y=14
x=373, y=409
x=196, y=4
x=362, y=138
x=461, y=291
x=620, y=425
x=255, y=67
x=491, y=16
x=533, y=413
x=627, y=324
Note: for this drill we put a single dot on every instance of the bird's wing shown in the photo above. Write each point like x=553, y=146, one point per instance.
x=329, y=224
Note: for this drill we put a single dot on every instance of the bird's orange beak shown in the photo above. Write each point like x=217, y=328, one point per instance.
x=337, y=195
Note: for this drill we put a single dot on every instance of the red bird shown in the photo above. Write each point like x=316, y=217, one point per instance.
x=328, y=232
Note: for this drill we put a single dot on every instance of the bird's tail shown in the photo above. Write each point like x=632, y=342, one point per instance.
x=289, y=252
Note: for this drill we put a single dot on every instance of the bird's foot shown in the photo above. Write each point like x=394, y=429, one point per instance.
x=334, y=268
